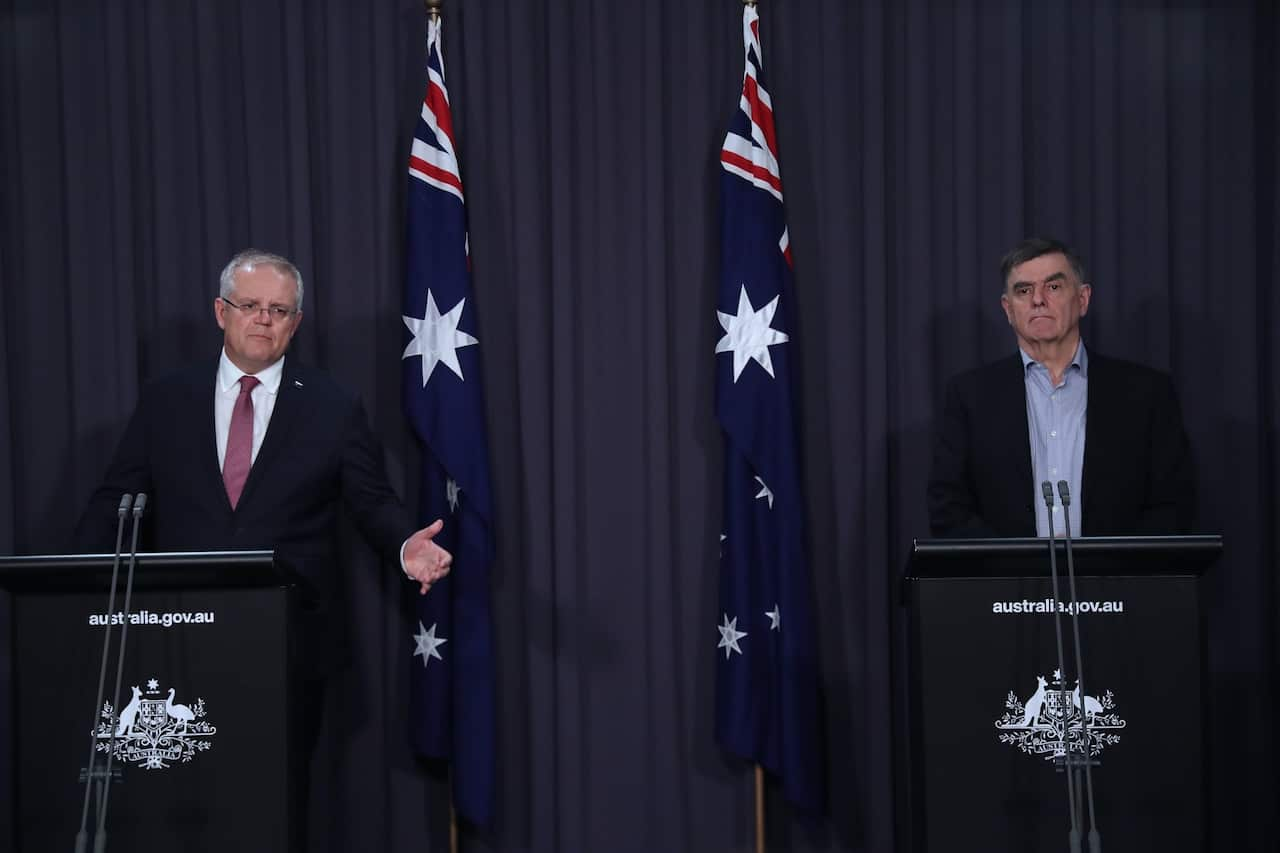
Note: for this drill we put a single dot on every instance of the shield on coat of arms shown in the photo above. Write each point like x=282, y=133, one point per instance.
x=1058, y=704
x=152, y=714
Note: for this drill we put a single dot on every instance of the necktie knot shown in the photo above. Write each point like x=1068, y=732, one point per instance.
x=248, y=383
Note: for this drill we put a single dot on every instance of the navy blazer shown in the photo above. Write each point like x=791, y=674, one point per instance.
x=1138, y=473
x=318, y=453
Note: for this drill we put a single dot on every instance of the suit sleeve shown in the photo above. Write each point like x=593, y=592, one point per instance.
x=1170, y=504
x=128, y=473
x=373, y=504
x=953, y=505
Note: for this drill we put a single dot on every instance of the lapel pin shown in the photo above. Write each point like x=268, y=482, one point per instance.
x=297, y=383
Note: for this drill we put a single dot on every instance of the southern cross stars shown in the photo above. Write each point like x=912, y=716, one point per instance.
x=428, y=643
x=729, y=636
x=764, y=492
x=436, y=338
x=748, y=335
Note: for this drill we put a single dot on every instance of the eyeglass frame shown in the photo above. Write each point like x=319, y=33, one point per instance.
x=277, y=313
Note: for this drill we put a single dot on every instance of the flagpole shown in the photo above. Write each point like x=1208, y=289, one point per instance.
x=759, y=809
x=759, y=770
x=453, y=819
x=433, y=14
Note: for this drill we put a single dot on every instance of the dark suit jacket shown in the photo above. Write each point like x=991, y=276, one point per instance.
x=318, y=452
x=1138, y=474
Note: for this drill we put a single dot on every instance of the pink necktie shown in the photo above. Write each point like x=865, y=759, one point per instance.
x=235, y=467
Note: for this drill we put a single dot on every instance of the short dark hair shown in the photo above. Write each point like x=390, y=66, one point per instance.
x=1034, y=247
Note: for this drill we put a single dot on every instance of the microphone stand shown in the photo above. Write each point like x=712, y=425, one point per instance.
x=1073, y=836
x=100, y=837
x=1095, y=839
x=82, y=839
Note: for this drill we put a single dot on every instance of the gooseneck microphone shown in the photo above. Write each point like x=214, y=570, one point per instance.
x=122, y=512
x=1095, y=839
x=139, y=504
x=1073, y=835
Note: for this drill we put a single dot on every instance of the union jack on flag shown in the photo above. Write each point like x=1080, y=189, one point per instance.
x=451, y=704
x=767, y=680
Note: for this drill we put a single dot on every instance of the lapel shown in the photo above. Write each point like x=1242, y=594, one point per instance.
x=1011, y=405
x=1099, y=405
x=290, y=400
x=200, y=407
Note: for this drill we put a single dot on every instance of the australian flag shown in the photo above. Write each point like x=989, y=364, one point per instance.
x=451, y=706
x=767, y=663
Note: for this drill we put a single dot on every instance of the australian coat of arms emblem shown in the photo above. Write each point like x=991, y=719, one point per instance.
x=1053, y=720
x=154, y=732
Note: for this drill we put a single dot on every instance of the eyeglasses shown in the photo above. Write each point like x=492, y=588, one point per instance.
x=253, y=309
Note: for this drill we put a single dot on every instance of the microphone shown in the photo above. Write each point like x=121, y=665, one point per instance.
x=122, y=512
x=1073, y=835
x=100, y=838
x=1095, y=839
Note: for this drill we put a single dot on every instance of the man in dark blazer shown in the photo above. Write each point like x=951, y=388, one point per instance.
x=254, y=451
x=1112, y=429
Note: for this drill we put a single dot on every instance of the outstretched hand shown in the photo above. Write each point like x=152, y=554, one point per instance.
x=424, y=560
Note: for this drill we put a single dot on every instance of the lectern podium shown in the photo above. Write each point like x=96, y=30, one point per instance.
x=991, y=711
x=204, y=743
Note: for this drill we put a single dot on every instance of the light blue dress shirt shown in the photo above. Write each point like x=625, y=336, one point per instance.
x=1055, y=425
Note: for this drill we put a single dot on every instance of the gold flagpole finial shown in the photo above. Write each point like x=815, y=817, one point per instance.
x=433, y=8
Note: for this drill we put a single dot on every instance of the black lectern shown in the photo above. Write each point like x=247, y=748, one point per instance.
x=203, y=744
x=991, y=711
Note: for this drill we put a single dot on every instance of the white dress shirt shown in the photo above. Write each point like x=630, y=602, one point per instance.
x=225, y=391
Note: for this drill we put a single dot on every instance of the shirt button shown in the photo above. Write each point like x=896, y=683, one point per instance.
x=1053, y=470
x=1053, y=433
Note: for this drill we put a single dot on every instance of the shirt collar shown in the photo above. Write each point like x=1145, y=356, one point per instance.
x=229, y=375
x=1080, y=360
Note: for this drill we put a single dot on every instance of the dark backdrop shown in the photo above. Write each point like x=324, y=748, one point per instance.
x=143, y=143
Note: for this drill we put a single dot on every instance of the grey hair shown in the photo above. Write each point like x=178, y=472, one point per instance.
x=1035, y=247
x=250, y=258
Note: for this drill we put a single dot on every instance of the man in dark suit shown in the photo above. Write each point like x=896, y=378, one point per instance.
x=1054, y=411
x=254, y=451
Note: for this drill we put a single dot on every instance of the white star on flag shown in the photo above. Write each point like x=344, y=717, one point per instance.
x=775, y=617
x=729, y=636
x=764, y=492
x=428, y=643
x=451, y=492
x=436, y=338
x=748, y=334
